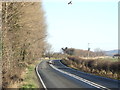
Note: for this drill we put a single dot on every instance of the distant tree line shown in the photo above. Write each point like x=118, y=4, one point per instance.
x=82, y=53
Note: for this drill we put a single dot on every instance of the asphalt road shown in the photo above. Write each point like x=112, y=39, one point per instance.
x=58, y=76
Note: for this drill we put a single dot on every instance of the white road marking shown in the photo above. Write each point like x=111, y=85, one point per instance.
x=40, y=78
x=81, y=79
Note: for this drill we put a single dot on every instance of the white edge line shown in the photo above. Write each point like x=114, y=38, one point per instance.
x=40, y=78
x=79, y=78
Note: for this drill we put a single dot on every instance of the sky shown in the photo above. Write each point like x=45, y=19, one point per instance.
x=74, y=26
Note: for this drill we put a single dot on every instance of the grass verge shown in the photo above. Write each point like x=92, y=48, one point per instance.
x=30, y=79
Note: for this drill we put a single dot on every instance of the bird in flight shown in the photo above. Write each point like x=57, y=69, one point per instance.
x=70, y=2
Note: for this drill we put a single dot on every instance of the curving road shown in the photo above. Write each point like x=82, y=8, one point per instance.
x=57, y=76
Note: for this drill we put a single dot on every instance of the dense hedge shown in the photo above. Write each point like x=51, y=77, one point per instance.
x=101, y=67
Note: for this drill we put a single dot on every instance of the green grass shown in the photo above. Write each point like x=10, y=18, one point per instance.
x=28, y=86
x=30, y=79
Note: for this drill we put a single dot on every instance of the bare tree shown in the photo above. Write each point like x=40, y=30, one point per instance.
x=23, y=37
x=48, y=50
x=69, y=51
x=99, y=52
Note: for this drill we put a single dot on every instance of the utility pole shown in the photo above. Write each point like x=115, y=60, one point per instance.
x=88, y=50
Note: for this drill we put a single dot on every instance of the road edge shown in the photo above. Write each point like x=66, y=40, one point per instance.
x=43, y=84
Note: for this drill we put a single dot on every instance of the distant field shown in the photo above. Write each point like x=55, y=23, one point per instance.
x=110, y=59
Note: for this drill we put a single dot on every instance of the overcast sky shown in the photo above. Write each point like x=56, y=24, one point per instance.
x=81, y=23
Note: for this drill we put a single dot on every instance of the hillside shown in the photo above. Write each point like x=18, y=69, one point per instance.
x=112, y=52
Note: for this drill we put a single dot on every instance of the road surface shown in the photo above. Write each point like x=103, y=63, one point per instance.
x=58, y=76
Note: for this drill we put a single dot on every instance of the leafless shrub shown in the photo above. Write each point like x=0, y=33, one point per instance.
x=115, y=67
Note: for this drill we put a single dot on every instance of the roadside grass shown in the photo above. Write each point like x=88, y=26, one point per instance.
x=30, y=79
x=55, y=58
